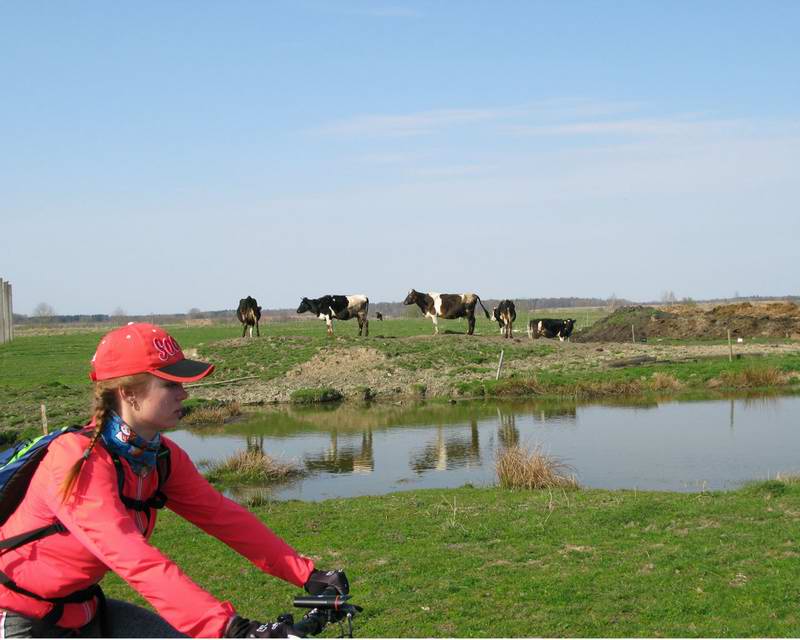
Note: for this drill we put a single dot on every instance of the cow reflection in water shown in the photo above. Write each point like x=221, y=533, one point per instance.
x=562, y=412
x=345, y=457
x=255, y=444
x=507, y=432
x=449, y=451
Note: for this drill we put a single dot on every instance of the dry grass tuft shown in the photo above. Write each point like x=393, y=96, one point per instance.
x=664, y=382
x=252, y=467
x=520, y=468
x=213, y=414
x=754, y=377
x=602, y=388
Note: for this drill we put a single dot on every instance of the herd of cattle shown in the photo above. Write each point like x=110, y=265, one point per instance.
x=433, y=305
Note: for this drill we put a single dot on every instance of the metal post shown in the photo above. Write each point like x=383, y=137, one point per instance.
x=730, y=347
x=44, y=419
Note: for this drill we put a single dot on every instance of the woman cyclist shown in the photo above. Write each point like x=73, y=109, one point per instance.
x=98, y=490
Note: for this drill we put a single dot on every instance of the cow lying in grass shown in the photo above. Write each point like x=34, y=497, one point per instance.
x=448, y=306
x=550, y=328
x=340, y=307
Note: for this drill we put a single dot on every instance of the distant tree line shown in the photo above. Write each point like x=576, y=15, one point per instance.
x=388, y=309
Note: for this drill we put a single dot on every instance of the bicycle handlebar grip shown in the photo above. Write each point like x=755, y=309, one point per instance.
x=321, y=602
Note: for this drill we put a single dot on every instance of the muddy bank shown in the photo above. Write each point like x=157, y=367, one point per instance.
x=351, y=371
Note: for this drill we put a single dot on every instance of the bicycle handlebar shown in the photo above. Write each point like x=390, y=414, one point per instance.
x=325, y=608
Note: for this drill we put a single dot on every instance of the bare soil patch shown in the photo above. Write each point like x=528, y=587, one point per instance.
x=744, y=320
x=349, y=371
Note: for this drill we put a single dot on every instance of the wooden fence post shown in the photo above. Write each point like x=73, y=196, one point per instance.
x=633, y=334
x=730, y=347
x=44, y=419
x=6, y=312
x=9, y=312
x=499, y=365
x=2, y=311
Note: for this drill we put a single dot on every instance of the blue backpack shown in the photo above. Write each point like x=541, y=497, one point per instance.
x=18, y=464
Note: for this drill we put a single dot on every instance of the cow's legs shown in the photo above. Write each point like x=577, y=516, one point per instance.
x=258, y=333
x=363, y=323
x=250, y=328
x=329, y=323
x=471, y=324
x=244, y=329
x=435, y=325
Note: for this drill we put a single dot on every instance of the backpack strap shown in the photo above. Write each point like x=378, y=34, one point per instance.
x=159, y=499
x=29, y=536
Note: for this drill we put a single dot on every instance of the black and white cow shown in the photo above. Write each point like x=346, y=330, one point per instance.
x=340, y=307
x=249, y=313
x=504, y=314
x=446, y=305
x=549, y=328
x=379, y=315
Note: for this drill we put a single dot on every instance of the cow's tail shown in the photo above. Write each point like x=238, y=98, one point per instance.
x=482, y=307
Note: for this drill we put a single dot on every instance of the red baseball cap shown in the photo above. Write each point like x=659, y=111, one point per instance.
x=141, y=347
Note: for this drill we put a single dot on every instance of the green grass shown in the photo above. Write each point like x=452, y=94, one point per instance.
x=489, y=562
x=315, y=395
x=53, y=369
x=701, y=375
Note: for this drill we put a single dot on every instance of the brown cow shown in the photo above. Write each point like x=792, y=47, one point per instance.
x=448, y=306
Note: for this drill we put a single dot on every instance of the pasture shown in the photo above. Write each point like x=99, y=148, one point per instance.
x=490, y=562
x=401, y=360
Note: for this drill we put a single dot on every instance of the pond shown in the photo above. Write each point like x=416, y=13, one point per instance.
x=367, y=450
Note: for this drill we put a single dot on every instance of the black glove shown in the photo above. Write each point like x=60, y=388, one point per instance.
x=240, y=627
x=318, y=581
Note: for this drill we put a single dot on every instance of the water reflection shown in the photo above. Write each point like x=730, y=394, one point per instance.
x=507, y=432
x=344, y=457
x=361, y=449
x=448, y=451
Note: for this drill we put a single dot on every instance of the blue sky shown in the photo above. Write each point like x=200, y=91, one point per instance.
x=159, y=156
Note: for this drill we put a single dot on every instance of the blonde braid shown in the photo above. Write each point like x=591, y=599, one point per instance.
x=105, y=401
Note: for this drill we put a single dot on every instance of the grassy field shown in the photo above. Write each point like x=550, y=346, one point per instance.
x=53, y=368
x=494, y=563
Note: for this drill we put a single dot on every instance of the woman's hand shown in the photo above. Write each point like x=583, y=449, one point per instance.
x=318, y=581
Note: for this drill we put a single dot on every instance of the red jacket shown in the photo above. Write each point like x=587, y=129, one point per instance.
x=103, y=534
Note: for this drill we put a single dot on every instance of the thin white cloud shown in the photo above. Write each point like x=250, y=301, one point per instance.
x=393, y=12
x=425, y=122
x=680, y=125
x=542, y=117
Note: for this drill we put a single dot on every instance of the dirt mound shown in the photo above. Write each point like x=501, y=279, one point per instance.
x=744, y=320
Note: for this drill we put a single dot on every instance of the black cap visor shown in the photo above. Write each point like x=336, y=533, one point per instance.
x=184, y=371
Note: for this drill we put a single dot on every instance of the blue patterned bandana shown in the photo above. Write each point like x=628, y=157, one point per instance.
x=119, y=438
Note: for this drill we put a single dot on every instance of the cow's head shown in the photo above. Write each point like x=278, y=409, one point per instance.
x=305, y=305
x=412, y=297
x=568, y=326
x=495, y=315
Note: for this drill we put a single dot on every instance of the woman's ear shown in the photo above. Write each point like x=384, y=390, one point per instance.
x=127, y=396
